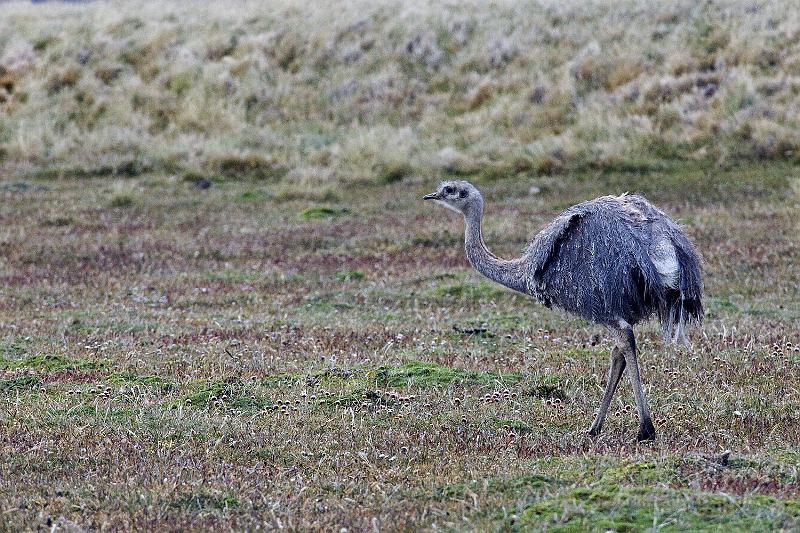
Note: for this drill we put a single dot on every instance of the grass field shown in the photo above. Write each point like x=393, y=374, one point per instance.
x=223, y=304
x=174, y=357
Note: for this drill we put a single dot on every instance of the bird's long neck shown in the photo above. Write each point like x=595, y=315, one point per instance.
x=508, y=273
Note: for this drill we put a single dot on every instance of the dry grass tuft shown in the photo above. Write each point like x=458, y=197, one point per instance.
x=365, y=91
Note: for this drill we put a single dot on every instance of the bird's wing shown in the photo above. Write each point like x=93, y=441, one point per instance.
x=544, y=246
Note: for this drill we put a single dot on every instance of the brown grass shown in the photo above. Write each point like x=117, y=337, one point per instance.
x=361, y=91
x=210, y=359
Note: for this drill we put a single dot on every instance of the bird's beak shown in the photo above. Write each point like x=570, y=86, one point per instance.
x=431, y=196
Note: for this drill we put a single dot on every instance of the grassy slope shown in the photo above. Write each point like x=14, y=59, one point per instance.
x=174, y=357
x=366, y=91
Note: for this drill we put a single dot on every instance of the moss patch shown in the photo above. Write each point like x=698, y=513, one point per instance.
x=18, y=384
x=135, y=379
x=613, y=508
x=51, y=363
x=231, y=394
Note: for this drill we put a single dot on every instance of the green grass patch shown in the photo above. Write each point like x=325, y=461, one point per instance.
x=468, y=331
x=128, y=378
x=91, y=411
x=356, y=397
x=496, y=485
x=14, y=346
x=20, y=383
x=321, y=212
x=51, y=363
x=252, y=196
x=641, y=495
x=322, y=304
x=615, y=508
x=357, y=385
x=232, y=394
x=206, y=392
x=349, y=275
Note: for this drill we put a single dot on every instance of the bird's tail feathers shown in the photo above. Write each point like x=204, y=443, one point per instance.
x=682, y=306
x=678, y=313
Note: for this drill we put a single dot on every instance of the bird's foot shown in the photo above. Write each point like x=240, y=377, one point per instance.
x=646, y=431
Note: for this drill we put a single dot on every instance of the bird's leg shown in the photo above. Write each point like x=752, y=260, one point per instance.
x=646, y=429
x=614, y=375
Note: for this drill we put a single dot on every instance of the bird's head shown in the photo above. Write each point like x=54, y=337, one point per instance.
x=460, y=196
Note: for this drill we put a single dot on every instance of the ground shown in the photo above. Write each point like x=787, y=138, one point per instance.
x=178, y=357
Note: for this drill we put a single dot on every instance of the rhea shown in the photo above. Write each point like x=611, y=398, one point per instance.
x=614, y=260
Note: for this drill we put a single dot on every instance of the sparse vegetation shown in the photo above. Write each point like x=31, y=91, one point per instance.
x=343, y=374
x=223, y=304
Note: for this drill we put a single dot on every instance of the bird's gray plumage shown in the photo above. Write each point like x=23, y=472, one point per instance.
x=599, y=259
x=615, y=260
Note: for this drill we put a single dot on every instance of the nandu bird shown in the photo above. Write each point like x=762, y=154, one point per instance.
x=614, y=260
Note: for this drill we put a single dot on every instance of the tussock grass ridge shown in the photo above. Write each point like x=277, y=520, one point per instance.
x=370, y=91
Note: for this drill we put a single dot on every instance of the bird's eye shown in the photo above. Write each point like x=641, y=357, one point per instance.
x=462, y=193
x=448, y=190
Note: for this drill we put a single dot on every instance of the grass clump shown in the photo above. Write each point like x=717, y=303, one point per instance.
x=349, y=275
x=252, y=196
x=122, y=200
x=250, y=166
x=547, y=391
x=319, y=212
x=58, y=222
x=317, y=193
x=393, y=171
x=194, y=177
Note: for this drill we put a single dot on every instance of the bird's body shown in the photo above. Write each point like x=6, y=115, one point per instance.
x=615, y=260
